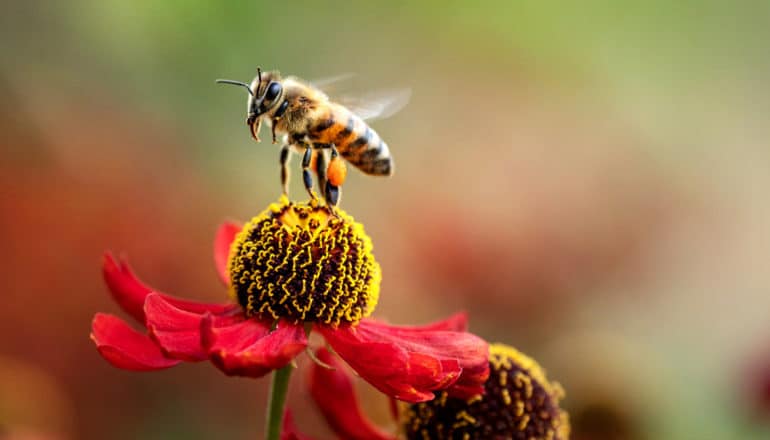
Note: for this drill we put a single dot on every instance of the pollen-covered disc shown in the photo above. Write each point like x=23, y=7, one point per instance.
x=299, y=262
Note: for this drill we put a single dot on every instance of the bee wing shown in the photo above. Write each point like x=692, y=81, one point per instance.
x=329, y=83
x=380, y=104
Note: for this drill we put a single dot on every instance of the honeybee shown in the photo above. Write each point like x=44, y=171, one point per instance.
x=319, y=129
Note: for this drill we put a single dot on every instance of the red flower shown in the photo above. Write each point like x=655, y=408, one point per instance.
x=253, y=338
x=519, y=403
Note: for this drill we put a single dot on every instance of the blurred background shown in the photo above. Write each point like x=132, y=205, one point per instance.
x=589, y=181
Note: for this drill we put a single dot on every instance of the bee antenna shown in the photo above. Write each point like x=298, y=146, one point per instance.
x=235, y=83
x=259, y=78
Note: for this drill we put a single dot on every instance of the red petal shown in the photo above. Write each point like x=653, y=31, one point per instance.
x=127, y=290
x=249, y=348
x=457, y=322
x=333, y=392
x=410, y=363
x=126, y=348
x=130, y=292
x=289, y=429
x=224, y=238
x=178, y=331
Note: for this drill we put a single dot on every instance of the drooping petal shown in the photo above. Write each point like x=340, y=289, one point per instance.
x=467, y=385
x=178, y=331
x=224, y=238
x=126, y=348
x=129, y=292
x=410, y=363
x=126, y=289
x=249, y=347
x=457, y=323
x=333, y=393
x=388, y=367
x=470, y=383
x=289, y=430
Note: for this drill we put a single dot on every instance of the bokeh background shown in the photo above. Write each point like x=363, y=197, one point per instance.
x=589, y=181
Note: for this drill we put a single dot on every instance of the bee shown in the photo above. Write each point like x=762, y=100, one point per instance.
x=323, y=131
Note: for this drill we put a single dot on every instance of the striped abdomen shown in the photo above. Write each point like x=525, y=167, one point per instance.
x=354, y=139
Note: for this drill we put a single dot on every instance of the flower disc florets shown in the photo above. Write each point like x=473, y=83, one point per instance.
x=519, y=403
x=301, y=263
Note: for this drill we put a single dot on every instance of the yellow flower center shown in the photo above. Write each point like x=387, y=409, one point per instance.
x=299, y=262
x=518, y=403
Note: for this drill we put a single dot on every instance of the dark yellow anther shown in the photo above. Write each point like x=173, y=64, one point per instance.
x=299, y=262
x=519, y=403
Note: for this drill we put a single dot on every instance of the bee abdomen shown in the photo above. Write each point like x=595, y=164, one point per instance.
x=322, y=125
x=368, y=152
x=332, y=127
x=346, y=132
x=354, y=139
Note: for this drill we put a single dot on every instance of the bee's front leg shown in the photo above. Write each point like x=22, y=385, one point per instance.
x=272, y=130
x=285, y=156
x=307, y=177
x=277, y=116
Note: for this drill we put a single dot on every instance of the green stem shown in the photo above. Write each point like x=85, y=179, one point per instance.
x=276, y=399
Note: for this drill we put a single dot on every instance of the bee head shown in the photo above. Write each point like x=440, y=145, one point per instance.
x=264, y=91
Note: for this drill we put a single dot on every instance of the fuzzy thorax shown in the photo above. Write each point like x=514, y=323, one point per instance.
x=301, y=263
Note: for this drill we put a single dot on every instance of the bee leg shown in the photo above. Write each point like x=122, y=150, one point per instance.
x=332, y=196
x=331, y=192
x=321, y=171
x=272, y=129
x=307, y=177
x=285, y=156
x=277, y=116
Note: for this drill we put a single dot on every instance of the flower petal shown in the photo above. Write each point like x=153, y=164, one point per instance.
x=468, y=385
x=129, y=292
x=126, y=289
x=457, y=322
x=126, y=348
x=332, y=391
x=410, y=363
x=224, y=238
x=289, y=429
x=249, y=347
x=178, y=331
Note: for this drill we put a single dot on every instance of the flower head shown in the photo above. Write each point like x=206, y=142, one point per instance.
x=300, y=263
x=293, y=267
x=519, y=402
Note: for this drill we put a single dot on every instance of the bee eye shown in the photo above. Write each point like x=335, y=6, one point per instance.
x=273, y=90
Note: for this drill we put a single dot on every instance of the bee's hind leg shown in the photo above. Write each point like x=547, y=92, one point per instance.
x=321, y=163
x=307, y=177
x=331, y=192
x=332, y=196
x=285, y=156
